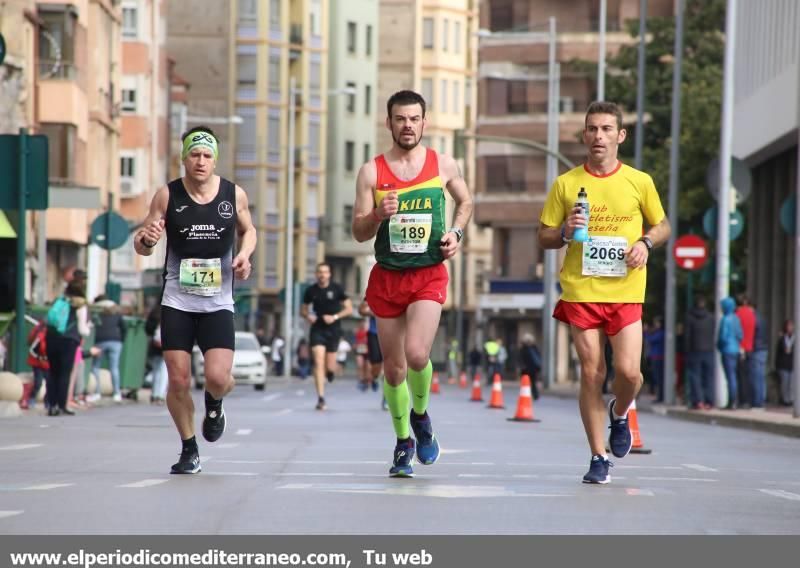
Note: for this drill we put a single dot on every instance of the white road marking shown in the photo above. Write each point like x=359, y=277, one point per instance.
x=4, y=514
x=299, y=393
x=244, y=432
x=583, y=466
x=445, y=451
x=227, y=445
x=698, y=467
x=204, y=459
x=330, y=462
x=678, y=479
x=639, y=492
x=442, y=491
x=782, y=494
x=19, y=447
x=241, y=462
x=46, y=487
x=231, y=473
x=283, y=412
x=270, y=397
x=144, y=483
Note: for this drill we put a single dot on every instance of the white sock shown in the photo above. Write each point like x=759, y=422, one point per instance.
x=617, y=416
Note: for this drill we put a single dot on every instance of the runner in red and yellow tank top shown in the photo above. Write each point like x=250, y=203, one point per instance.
x=603, y=279
x=400, y=201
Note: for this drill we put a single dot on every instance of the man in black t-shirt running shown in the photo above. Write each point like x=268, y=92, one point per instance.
x=330, y=304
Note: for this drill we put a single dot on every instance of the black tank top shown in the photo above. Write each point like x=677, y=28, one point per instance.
x=199, y=231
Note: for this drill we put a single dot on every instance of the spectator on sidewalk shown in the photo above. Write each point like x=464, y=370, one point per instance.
x=747, y=317
x=37, y=359
x=303, y=359
x=757, y=363
x=108, y=336
x=531, y=361
x=276, y=352
x=699, y=342
x=784, y=362
x=729, y=345
x=155, y=353
x=474, y=361
x=655, y=358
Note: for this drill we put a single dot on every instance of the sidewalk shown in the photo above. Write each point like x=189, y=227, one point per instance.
x=774, y=420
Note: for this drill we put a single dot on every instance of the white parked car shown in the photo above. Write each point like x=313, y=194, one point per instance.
x=249, y=362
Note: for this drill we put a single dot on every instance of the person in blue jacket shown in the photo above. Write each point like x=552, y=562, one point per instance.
x=728, y=343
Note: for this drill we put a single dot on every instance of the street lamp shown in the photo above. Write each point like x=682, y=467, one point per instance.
x=288, y=320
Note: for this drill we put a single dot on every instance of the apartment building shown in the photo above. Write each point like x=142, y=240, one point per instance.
x=513, y=96
x=430, y=46
x=145, y=145
x=352, y=110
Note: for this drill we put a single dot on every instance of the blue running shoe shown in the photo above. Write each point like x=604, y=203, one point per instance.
x=403, y=456
x=598, y=470
x=620, y=439
x=427, y=444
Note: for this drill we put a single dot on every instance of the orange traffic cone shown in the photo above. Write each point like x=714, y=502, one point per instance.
x=496, y=400
x=477, y=395
x=462, y=380
x=435, y=384
x=525, y=402
x=633, y=422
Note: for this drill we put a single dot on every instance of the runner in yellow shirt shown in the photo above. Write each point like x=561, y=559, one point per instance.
x=603, y=279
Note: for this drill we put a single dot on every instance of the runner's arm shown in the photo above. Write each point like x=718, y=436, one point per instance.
x=659, y=233
x=158, y=212
x=244, y=223
x=549, y=237
x=365, y=221
x=459, y=191
x=637, y=254
x=347, y=305
x=364, y=309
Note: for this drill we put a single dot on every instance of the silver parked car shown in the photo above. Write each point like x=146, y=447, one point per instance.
x=249, y=362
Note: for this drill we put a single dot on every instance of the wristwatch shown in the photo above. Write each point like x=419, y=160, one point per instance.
x=647, y=242
x=459, y=233
x=564, y=238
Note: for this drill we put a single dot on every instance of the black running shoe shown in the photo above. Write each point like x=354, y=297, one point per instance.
x=214, y=424
x=189, y=462
x=598, y=471
x=620, y=440
x=403, y=456
x=427, y=444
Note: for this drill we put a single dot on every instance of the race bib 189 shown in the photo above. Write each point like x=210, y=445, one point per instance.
x=201, y=276
x=410, y=232
x=605, y=256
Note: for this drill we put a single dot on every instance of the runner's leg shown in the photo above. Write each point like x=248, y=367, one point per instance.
x=627, y=346
x=318, y=357
x=391, y=334
x=179, y=397
x=423, y=323
x=590, y=343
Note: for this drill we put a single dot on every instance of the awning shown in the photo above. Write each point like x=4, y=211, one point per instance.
x=6, y=230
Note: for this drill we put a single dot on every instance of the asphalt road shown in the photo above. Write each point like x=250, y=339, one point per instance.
x=284, y=468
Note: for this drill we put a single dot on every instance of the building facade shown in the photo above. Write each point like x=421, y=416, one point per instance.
x=352, y=111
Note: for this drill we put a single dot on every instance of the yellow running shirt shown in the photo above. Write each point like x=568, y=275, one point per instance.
x=619, y=202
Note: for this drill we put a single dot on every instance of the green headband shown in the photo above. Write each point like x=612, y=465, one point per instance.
x=199, y=140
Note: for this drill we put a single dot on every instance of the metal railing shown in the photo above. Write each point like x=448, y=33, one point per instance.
x=57, y=69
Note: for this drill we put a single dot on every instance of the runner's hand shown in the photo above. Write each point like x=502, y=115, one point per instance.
x=328, y=319
x=575, y=220
x=241, y=267
x=636, y=255
x=449, y=245
x=311, y=319
x=389, y=205
x=152, y=233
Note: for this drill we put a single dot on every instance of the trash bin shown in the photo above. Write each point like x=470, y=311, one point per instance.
x=134, y=354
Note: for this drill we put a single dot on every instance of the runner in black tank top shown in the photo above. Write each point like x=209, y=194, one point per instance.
x=199, y=213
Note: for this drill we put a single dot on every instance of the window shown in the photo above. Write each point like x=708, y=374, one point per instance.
x=128, y=100
x=127, y=166
x=517, y=96
x=445, y=34
x=314, y=73
x=275, y=15
x=349, y=156
x=62, y=141
x=505, y=174
x=315, y=17
x=347, y=220
x=273, y=136
x=427, y=33
x=456, y=96
x=130, y=21
x=443, y=145
x=427, y=91
x=246, y=63
x=443, y=95
x=368, y=47
x=457, y=37
x=367, y=99
x=274, y=71
x=57, y=43
x=248, y=10
x=351, y=97
x=351, y=37
x=313, y=140
x=367, y=153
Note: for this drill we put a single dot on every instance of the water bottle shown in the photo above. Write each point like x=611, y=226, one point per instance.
x=581, y=234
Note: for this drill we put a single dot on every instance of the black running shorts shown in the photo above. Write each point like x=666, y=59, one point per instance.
x=180, y=330
x=374, y=349
x=328, y=336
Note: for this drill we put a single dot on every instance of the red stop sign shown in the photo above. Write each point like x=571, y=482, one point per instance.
x=690, y=252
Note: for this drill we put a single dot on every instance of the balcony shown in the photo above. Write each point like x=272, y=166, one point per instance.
x=57, y=69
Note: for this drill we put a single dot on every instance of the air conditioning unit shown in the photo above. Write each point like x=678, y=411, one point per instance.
x=127, y=187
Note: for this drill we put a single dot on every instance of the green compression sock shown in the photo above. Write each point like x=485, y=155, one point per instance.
x=397, y=400
x=420, y=384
